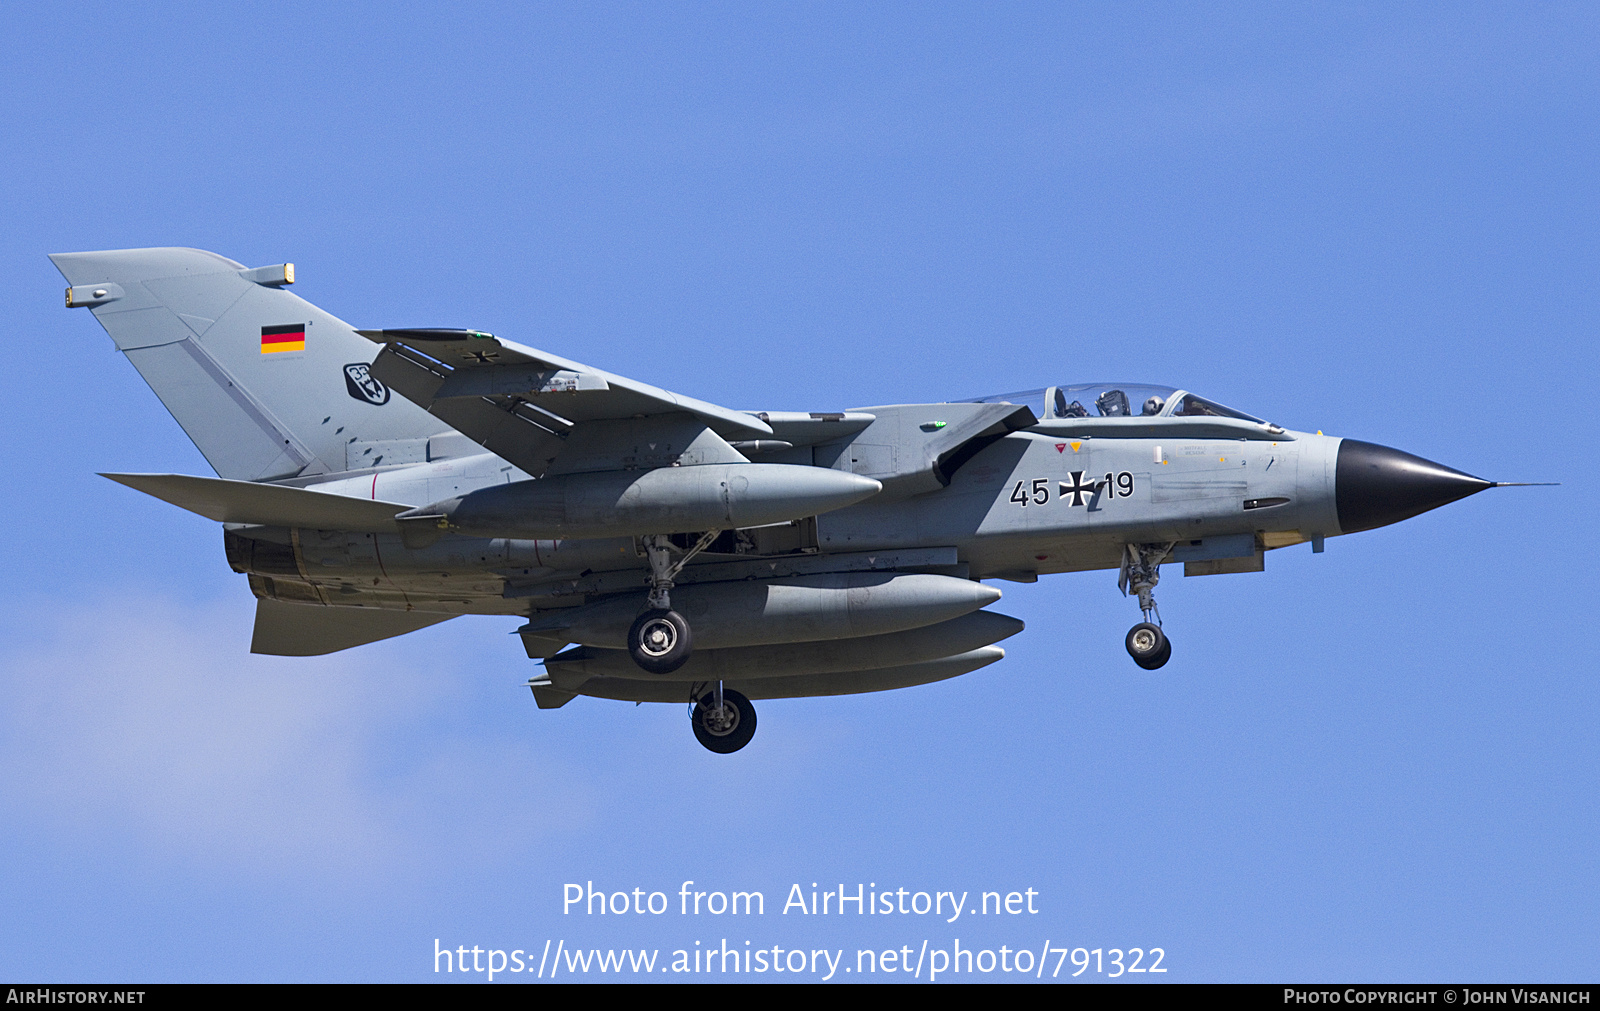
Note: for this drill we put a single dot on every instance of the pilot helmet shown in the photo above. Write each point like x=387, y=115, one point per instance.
x=1154, y=405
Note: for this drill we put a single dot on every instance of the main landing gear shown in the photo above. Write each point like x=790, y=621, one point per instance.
x=660, y=640
x=723, y=720
x=1141, y=571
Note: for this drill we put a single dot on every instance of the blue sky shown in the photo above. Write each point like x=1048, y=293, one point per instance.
x=1374, y=763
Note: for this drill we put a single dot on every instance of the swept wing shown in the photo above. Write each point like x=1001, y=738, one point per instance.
x=521, y=403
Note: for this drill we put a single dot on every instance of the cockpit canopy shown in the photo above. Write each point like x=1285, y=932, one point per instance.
x=1116, y=400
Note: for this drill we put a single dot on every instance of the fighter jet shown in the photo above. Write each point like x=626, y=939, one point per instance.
x=658, y=548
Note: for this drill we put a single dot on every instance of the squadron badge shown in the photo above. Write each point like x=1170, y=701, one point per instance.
x=361, y=384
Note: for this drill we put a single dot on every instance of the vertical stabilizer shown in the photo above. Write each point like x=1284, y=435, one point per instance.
x=267, y=385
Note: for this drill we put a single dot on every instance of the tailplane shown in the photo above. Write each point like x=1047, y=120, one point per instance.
x=267, y=385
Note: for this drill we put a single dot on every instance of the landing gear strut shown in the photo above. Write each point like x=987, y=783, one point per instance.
x=660, y=640
x=723, y=720
x=1141, y=571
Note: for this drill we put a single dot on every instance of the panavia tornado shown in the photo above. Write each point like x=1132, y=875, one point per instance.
x=659, y=548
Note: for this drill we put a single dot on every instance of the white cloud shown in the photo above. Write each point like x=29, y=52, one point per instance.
x=152, y=720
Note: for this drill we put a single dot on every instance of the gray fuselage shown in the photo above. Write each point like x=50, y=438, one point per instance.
x=1057, y=497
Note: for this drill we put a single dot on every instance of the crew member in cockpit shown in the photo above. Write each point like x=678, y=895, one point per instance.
x=1113, y=404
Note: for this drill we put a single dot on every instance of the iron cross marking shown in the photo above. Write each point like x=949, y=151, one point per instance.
x=1078, y=489
x=481, y=357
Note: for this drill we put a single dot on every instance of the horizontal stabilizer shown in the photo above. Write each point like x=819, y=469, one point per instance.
x=228, y=501
x=312, y=630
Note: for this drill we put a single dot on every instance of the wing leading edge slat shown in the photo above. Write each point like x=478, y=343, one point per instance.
x=466, y=377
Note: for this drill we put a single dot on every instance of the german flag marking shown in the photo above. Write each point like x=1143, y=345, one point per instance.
x=289, y=337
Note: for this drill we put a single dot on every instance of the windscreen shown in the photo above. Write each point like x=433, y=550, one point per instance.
x=1115, y=400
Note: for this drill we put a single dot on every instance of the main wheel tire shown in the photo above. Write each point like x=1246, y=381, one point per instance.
x=729, y=731
x=1161, y=658
x=1148, y=645
x=659, y=641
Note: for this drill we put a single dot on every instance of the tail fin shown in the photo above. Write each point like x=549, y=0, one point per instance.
x=267, y=385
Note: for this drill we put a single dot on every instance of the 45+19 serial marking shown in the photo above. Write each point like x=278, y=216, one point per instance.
x=1079, y=490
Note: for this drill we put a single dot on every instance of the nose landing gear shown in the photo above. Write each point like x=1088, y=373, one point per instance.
x=1148, y=645
x=1141, y=571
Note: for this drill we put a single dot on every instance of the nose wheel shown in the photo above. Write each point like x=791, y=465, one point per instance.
x=723, y=720
x=1148, y=645
x=1141, y=571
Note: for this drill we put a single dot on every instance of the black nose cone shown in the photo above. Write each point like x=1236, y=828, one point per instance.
x=1375, y=485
